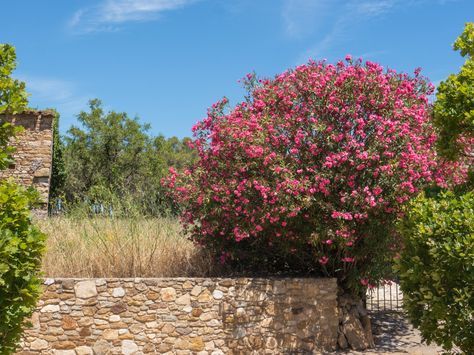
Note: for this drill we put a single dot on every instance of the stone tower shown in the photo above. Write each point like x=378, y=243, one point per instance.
x=33, y=155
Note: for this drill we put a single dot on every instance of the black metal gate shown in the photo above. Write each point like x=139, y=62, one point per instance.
x=387, y=297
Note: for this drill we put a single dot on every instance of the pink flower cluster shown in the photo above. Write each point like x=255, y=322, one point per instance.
x=313, y=158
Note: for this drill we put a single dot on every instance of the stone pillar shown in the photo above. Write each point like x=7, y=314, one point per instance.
x=33, y=155
x=355, y=330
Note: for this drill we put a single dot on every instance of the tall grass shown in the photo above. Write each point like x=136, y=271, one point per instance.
x=133, y=247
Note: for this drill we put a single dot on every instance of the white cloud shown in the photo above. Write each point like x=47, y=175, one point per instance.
x=322, y=46
x=76, y=18
x=372, y=8
x=55, y=93
x=344, y=16
x=347, y=15
x=302, y=17
x=48, y=88
x=110, y=14
x=443, y=2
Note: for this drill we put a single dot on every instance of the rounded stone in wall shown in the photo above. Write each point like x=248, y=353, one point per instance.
x=85, y=289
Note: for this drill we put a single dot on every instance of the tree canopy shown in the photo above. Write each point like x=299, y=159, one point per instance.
x=13, y=96
x=111, y=159
x=454, y=107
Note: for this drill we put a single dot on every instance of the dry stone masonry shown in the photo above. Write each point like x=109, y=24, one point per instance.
x=33, y=156
x=355, y=330
x=185, y=316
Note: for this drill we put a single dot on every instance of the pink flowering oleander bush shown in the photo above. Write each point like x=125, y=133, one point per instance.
x=307, y=176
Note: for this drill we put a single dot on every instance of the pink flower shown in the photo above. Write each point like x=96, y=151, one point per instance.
x=223, y=258
x=336, y=214
x=323, y=260
x=377, y=190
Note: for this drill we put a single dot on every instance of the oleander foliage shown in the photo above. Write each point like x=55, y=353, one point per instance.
x=308, y=176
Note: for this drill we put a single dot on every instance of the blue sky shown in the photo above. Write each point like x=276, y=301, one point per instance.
x=166, y=61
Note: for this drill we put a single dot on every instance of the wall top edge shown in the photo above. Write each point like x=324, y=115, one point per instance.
x=32, y=112
x=52, y=280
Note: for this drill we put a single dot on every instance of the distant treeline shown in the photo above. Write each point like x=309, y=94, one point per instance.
x=111, y=164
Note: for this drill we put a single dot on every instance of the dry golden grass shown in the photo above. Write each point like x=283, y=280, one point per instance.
x=101, y=247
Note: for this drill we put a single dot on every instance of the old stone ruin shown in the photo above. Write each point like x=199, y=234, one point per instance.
x=33, y=155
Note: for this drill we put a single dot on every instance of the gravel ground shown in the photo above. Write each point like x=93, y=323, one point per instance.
x=393, y=334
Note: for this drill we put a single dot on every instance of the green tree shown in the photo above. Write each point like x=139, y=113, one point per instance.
x=111, y=159
x=13, y=97
x=107, y=153
x=436, y=269
x=21, y=244
x=454, y=106
x=58, y=173
x=175, y=152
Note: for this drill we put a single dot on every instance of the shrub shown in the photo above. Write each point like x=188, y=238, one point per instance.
x=21, y=244
x=437, y=269
x=308, y=175
x=21, y=247
x=7, y=131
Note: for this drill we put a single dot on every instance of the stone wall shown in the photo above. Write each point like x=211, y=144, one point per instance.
x=33, y=156
x=185, y=316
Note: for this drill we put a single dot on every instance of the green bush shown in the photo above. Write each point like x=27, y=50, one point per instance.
x=21, y=244
x=437, y=269
x=21, y=247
